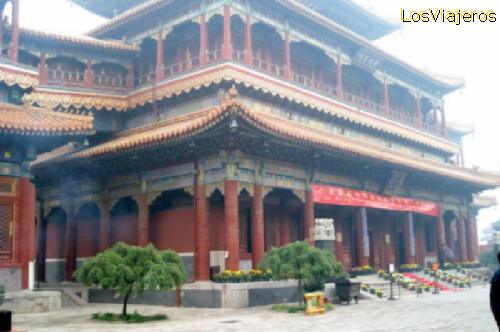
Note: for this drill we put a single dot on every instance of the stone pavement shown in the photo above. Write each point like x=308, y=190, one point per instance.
x=466, y=311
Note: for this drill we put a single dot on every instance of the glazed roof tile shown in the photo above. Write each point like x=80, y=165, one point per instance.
x=37, y=121
x=81, y=40
x=192, y=124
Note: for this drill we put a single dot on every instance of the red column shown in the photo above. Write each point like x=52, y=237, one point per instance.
x=142, y=220
x=309, y=217
x=339, y=246
x=419, y=111
x=202, y=235
x=362, y=237
x=469, y=239
x=441, y=235
x=420, y=243
x=130, y=77
x=475, y=244
x=409, y=238
x=248, y=41
x=340, y=88
x=203, y=40
x=42, y=69
x=227, y=47
x=159, y=57
x=461, y=238
x=104, y=225
x=386, y=97
x=71, y=238
x=89, y=77
x=232, y=224
x=14, y=35
x=288, y=58
x=27, y=239
x=443, y=117
x=258, y=248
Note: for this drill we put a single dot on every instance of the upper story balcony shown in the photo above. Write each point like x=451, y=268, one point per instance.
x=189, y=46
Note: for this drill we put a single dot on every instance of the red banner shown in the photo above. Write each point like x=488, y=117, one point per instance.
x=342, y=196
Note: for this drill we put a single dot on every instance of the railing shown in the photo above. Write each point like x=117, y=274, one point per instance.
x=239, y=55
x=112, y=82
x=65, y=77
x=144, y=79
x=269, y=67
x=312, y=83
x=214, y=55
x=181, y=67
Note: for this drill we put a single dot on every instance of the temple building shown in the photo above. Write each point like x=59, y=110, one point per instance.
x=221, y=129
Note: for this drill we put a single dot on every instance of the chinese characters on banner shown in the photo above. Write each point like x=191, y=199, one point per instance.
x=342, y=196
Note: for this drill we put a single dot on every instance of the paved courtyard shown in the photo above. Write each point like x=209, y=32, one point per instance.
x=466, y=311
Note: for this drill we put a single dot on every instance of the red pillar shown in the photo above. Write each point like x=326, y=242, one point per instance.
x=232, y=224
x=475, y=244
x=227, y=47
x=409, y=238
x=288, y=58
x=340, y=88
x=27, y=238
x=469, y=238
x=258, y=248
x=420, y=243
x=14, y=35
x=443, y=117
x=386, y=97
x=339, y=246
x=248, y=41
x=461, y=238
x=89, y=76
x=142, y=220
x=309, y=217
x=104, y=225
x=130, y=77
x=202, y=236
x=203, y=40
x=419, y=111
x=71, y=238
x=42, y=69
x=159, y=57
x=441, y=235
x=362, y=237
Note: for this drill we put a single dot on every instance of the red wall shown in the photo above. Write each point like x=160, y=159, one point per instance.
x=173, y=229
x=87, y=232
x=124, y=229
x=56, y=240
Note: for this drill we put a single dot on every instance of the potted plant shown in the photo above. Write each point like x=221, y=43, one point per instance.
x=5, y=315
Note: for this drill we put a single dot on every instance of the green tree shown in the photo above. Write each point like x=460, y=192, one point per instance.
x=489, y=259
x=129, y=269
x=2, y=294
x=301, y=262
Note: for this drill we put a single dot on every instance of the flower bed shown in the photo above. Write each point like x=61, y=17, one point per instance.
x=469, y=265
x=362, y=270
x=404, y=268
x=242, y=276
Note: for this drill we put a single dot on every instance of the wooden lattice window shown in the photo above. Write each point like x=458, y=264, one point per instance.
x=6, y=188
x=6, y=226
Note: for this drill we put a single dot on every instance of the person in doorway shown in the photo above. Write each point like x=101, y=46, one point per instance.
x=495, y=294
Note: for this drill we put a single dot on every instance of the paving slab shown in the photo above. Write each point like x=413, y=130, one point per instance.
x=466, y=311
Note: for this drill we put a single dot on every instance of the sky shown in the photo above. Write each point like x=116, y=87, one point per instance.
x=470, y=51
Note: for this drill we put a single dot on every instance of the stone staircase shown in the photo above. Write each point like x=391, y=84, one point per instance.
x=72, y=294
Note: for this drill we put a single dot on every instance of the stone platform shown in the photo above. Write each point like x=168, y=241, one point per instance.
x=27, y=301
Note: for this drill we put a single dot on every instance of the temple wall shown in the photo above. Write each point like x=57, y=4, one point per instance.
x=173, y=229
x=124, y=229
x=87, y=242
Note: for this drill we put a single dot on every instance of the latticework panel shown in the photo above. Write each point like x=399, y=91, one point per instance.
x=6, y=224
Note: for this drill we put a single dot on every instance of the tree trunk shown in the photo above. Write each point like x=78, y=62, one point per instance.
x=125, y=300
x=301, y=295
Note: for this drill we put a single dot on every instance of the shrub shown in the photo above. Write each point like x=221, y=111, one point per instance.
x=130, y=269
x=132, y=318
x=301, y=262
x=2, y=294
